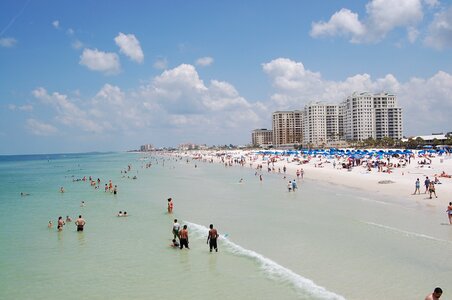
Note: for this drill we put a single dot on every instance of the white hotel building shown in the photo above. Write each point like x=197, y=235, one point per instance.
x=360, y=116
x=322, y=124
x=372, y=116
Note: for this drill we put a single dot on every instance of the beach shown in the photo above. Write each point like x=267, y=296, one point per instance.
x=400, y=182
x=341, y=235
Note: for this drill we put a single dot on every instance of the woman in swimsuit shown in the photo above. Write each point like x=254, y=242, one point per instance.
x=449, y=212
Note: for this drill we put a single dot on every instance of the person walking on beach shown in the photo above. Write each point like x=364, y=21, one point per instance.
x=170, y=205
x=449, y=212
x=176, y=227
x=289, y=186
x=183, y=237
x=435, y=295
x=294, y=185
x=431, y=189
x=418, y=187
x=427, y=184
x=212, y=238
x=80, y=222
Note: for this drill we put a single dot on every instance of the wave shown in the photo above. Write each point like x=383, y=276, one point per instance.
x=274, y=271
x=408, y=233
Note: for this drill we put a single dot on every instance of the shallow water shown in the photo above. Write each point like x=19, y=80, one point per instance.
x=320, y=242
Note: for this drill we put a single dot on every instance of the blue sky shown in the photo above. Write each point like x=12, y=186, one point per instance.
x=111, y=75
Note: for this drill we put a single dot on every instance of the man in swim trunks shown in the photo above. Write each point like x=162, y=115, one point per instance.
x=183, y=238
x=212, y=238
x=80, y=222
x=427, y=184
x=435, y=295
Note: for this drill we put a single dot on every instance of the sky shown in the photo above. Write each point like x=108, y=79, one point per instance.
x=81, y=76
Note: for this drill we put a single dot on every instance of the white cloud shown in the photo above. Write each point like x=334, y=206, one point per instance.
x=413, y=33
x=56, y=24
x=382, y=17
x=77, y=44
x=67, y=112
x=204, y=61
x=440, y=31
x=70, y=31
x=25, y=107
x=130, y=46
x=39, y=128
x=343, y=22
x=182, y=99
x=8, y=42
x=96, y=60
x=420, y=98
x=161, y=63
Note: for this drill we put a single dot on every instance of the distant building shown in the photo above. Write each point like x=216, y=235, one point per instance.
x=374, y=116
x=146, y=148
x=262, y=137
x=322, y=124
x=360, y=116
x=287, y=127
x=191, y=146
x=429, y=138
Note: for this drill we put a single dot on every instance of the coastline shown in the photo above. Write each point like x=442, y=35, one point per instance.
x=399, y=183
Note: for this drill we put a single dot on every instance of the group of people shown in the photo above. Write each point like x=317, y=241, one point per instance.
x=182, y=235
x=429, y=187
x=80, y=223
x=292, y=185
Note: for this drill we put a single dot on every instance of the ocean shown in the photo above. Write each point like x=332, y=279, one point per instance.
x=321, y=242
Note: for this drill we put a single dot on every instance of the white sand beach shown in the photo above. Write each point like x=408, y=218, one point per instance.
x=399, y=182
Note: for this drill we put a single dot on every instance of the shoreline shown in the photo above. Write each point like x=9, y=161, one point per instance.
x=399, y=183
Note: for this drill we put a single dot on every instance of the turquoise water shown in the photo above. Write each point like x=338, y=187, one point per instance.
x=321, y=242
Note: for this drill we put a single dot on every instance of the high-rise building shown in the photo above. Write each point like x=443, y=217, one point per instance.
x=388, y=117
x=374, y=116
x=287, y=127
x=359, y=117
x=262, y=137
x=321, y=124
x=146, y=147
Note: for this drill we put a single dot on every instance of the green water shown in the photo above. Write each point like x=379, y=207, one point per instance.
x=321, y=242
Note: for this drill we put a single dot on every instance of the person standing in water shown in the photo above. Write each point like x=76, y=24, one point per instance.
x=176, y=227
x=80, y=222
x=183, y=237
x=170, y=205
x=212, y=238
x=435, y=295
x=60, y=223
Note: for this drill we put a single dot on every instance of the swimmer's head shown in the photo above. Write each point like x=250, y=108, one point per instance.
x=211, y=226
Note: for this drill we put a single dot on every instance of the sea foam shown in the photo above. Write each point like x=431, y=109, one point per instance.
x=303, y=286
